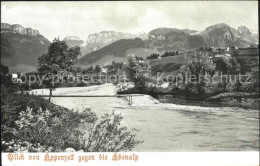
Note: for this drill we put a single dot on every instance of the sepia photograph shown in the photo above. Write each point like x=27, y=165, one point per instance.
x=125, y=76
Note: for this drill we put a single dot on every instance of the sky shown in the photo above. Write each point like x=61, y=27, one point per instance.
x=61, y=19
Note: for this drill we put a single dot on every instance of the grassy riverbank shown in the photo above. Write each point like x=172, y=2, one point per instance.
x=227, y=99
x=241, y=101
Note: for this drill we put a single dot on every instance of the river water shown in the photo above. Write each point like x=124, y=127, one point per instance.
x=168, y=127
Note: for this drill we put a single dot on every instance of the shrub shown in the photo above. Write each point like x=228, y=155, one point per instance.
x=81, y=84
x=8, y=116
x=108, y=136
x=253, y=85
x=50, y=130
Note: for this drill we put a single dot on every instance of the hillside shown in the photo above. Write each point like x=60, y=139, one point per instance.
x=98, y=40
x=20, y=52
x=168, y=39
x=166, y=65
x=165, y=39
x=255, y=37
x=115, y=50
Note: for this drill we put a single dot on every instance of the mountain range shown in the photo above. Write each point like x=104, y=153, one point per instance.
x=172, y=39
x=20, y=51
x=98, y=40
x=219, y=35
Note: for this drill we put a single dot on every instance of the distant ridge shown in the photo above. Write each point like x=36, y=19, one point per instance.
x=17, y=28
x=170, y=39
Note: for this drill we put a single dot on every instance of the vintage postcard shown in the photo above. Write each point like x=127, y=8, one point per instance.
x=106, y=82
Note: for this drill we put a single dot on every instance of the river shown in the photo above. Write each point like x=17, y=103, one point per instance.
x=169, y=127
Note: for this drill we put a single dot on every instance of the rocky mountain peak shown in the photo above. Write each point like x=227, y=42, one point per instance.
x=103, y=38
x=243, y=30
x=73, y=41
x=71, y=38
x=17, y=28
x=107, y=37
x=222, y=26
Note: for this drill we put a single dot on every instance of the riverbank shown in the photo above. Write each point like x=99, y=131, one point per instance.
x=221, y=100
x=242, y=100
x=140, y=102
x=146, y=101
x=65, y=90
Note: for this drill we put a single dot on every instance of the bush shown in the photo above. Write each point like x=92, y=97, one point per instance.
x=81, y=84
x=108, y=136
x=253, y=85
x=50, y=130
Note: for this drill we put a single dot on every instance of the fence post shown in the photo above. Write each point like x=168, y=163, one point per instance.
x=130, y=99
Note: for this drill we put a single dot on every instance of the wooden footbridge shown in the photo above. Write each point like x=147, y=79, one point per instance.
x=129, y=96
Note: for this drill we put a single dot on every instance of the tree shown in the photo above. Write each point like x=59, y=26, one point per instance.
x=58, y=58
x=114, y=64
x=97, y=69
x=90, y=69
x=201, y=49
x=221, y=65
x=193, y=72
x=153, y=56
x=233, y=66
x=4, y=69
x=138, y=72
x=228, y=66
x=253, y=84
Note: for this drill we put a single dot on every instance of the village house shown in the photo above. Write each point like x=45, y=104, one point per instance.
x=104, y=70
